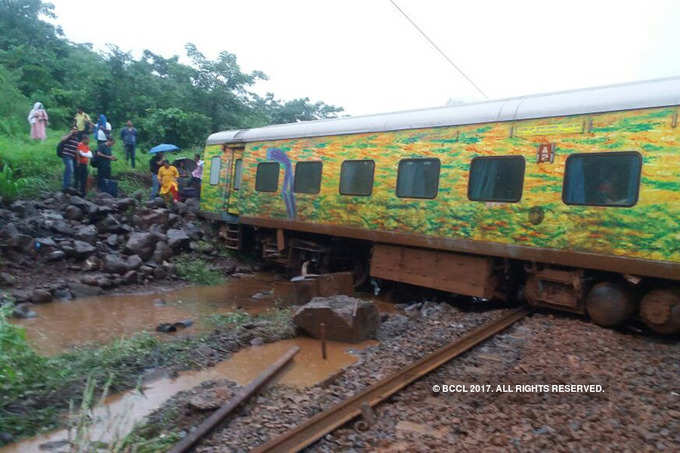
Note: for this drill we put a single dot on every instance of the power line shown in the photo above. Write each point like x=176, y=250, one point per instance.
x=439, y=50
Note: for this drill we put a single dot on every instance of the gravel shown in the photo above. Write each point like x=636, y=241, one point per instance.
x=637, y=409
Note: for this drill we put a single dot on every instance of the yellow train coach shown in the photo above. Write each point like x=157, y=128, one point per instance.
x=570, y=200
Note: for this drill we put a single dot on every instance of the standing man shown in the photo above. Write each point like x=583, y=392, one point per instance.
x=82, y=122
x=68, y=150
x=104, y=158
x=154, y=166
x=129, y=137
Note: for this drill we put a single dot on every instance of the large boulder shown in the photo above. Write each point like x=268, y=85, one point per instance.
x=177, y=239
x=125, y=203
x=86, y=233
x=81, y=290
x=83, y=249
x=109, y=224
x=73, y=212
x=87, y=206
x=41, y=295
x=133, y=262
x=141, y=244
x=193, y=231
x=7, y=279
x=115, y=264
x=23, y=311
x=346, y=318
x=62, y=227
x=162, y=252
x=23, y=208
x=21, y=242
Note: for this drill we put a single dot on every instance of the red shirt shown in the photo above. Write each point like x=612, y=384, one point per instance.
x=84, y=154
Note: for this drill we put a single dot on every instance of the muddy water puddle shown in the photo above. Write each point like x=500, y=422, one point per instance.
x=118, y=414
x=61, y=325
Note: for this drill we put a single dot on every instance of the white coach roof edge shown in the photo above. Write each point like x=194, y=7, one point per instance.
x=627, y=96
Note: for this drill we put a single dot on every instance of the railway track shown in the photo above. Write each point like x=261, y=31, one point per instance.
x=331, y=419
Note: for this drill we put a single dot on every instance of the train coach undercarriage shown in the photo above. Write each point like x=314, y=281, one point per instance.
x=609, y=299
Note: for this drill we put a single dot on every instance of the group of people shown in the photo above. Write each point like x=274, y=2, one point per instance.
x=165, y=177
x=75, y=151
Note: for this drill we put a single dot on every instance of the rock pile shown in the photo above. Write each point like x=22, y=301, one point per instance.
x=98, y=243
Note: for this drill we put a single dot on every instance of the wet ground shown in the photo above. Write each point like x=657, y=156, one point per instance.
x=61, y=325
x=118, y=414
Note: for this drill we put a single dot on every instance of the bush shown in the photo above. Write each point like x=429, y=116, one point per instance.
x=10, y=185
x=196, y=270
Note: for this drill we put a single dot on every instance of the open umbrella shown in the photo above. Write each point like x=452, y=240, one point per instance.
x=163, y=147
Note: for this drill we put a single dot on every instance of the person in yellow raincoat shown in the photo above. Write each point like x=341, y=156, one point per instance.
x=167, y=177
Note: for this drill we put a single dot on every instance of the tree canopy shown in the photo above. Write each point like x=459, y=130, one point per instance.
x=170, y=101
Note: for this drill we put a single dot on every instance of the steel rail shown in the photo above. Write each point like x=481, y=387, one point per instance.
x=325, y=422
x=245, y=393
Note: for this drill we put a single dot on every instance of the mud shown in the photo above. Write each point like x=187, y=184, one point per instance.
x=61, y=325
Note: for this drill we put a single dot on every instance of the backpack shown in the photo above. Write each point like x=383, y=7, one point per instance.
x=60, y=149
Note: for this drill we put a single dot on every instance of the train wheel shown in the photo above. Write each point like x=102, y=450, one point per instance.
x=610, y=303
x=660, y=310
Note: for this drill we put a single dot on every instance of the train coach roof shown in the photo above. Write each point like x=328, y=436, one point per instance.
x=636, y=95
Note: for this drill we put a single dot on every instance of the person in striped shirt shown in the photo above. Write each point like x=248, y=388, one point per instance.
x=68, y=151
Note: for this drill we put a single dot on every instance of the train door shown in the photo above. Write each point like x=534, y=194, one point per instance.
x=232, y=160
x=233, y=188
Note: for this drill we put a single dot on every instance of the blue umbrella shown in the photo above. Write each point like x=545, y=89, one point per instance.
x=163, y=148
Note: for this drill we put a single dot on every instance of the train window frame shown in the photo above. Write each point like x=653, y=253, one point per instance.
x=214, y=178
x=238, y=173
x=295, y=176
x=506, y=157
x=372, y=180
x=603, y=153
x=414, y=159
x=257, y=176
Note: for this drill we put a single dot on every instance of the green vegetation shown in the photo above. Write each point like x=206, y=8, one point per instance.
x=197, y=270
x=37, y=391
x=277, y=318
x=167, y=100
x=9, y=184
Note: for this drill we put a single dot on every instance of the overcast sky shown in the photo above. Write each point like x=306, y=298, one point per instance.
x=363, y=55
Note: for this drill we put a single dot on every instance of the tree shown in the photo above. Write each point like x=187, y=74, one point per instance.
x=301, y=109
x=38, y=63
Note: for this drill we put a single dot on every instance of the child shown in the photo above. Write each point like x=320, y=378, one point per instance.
x=82, y=160
x=104, y=158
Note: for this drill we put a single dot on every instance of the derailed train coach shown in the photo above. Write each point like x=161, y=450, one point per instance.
x=569, y=200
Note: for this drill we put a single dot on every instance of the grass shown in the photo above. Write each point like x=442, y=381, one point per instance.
x=279, y=318
x=38, y=165
x=37, y=391
x=197, y=270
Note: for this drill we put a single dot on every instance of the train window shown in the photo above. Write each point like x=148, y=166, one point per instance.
x=418, y=178
x=602, y=179
x=238, y=173
x=496, y=179
x=215, y=164
x=267, y=177
x=356, y=177
x=307, y=177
